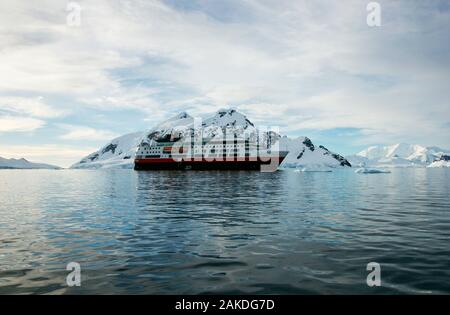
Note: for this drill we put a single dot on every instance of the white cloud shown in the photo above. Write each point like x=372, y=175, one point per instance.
x=29, y=106
x=136, y=98
x=299, y=64
x=19, y=124
x=86, y=133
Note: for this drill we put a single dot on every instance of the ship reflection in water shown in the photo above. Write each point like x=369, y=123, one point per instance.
x=224, y=232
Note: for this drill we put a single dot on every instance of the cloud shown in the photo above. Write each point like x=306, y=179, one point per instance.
x=29, y=106
x=19, y=124
x=86, y=133
x=298, y=64
x=135, y=98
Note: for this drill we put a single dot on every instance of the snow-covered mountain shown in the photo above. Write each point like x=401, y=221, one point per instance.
x=397, y=155
x=231, y=121
x=225, y=123
x=24, y=164
x=444, y=161
x=303, y=153
x=120, y=152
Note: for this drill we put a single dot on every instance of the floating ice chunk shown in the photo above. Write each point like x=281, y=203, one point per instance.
x=365, y=170
x=314, y=170
x=441, y=163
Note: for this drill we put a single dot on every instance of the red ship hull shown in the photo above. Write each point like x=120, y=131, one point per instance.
x=171, y=164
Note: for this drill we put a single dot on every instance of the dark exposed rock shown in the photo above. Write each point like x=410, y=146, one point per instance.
x=249, y=122
x=327, y=152
x=111, y=147
x=341, y=159
x=167, y=137
x=309, y=144
x=301, y=154
x=93, y=157
x=222, y=113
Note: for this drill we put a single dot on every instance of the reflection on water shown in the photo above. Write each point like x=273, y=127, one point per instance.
x=224, y=232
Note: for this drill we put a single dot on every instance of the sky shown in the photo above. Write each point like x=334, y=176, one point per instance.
x=313, y=68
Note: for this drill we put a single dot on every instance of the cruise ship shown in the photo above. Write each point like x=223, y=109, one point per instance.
x=207, y=154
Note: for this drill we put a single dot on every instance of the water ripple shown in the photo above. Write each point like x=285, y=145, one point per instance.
x=224, y=232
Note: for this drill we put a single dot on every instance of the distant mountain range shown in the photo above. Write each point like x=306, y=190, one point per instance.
x=401, y=155
x=120, y=152
x=24, y=164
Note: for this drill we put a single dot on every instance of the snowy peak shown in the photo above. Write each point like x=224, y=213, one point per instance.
x=181, y=119
x=228, y=123
x=401, y=150
x=400, y=155
x=303, y=153
x=228, y=119
x=182, y=115
x=23, y=164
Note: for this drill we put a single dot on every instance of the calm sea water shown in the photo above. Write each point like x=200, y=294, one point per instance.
x=224, y=232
